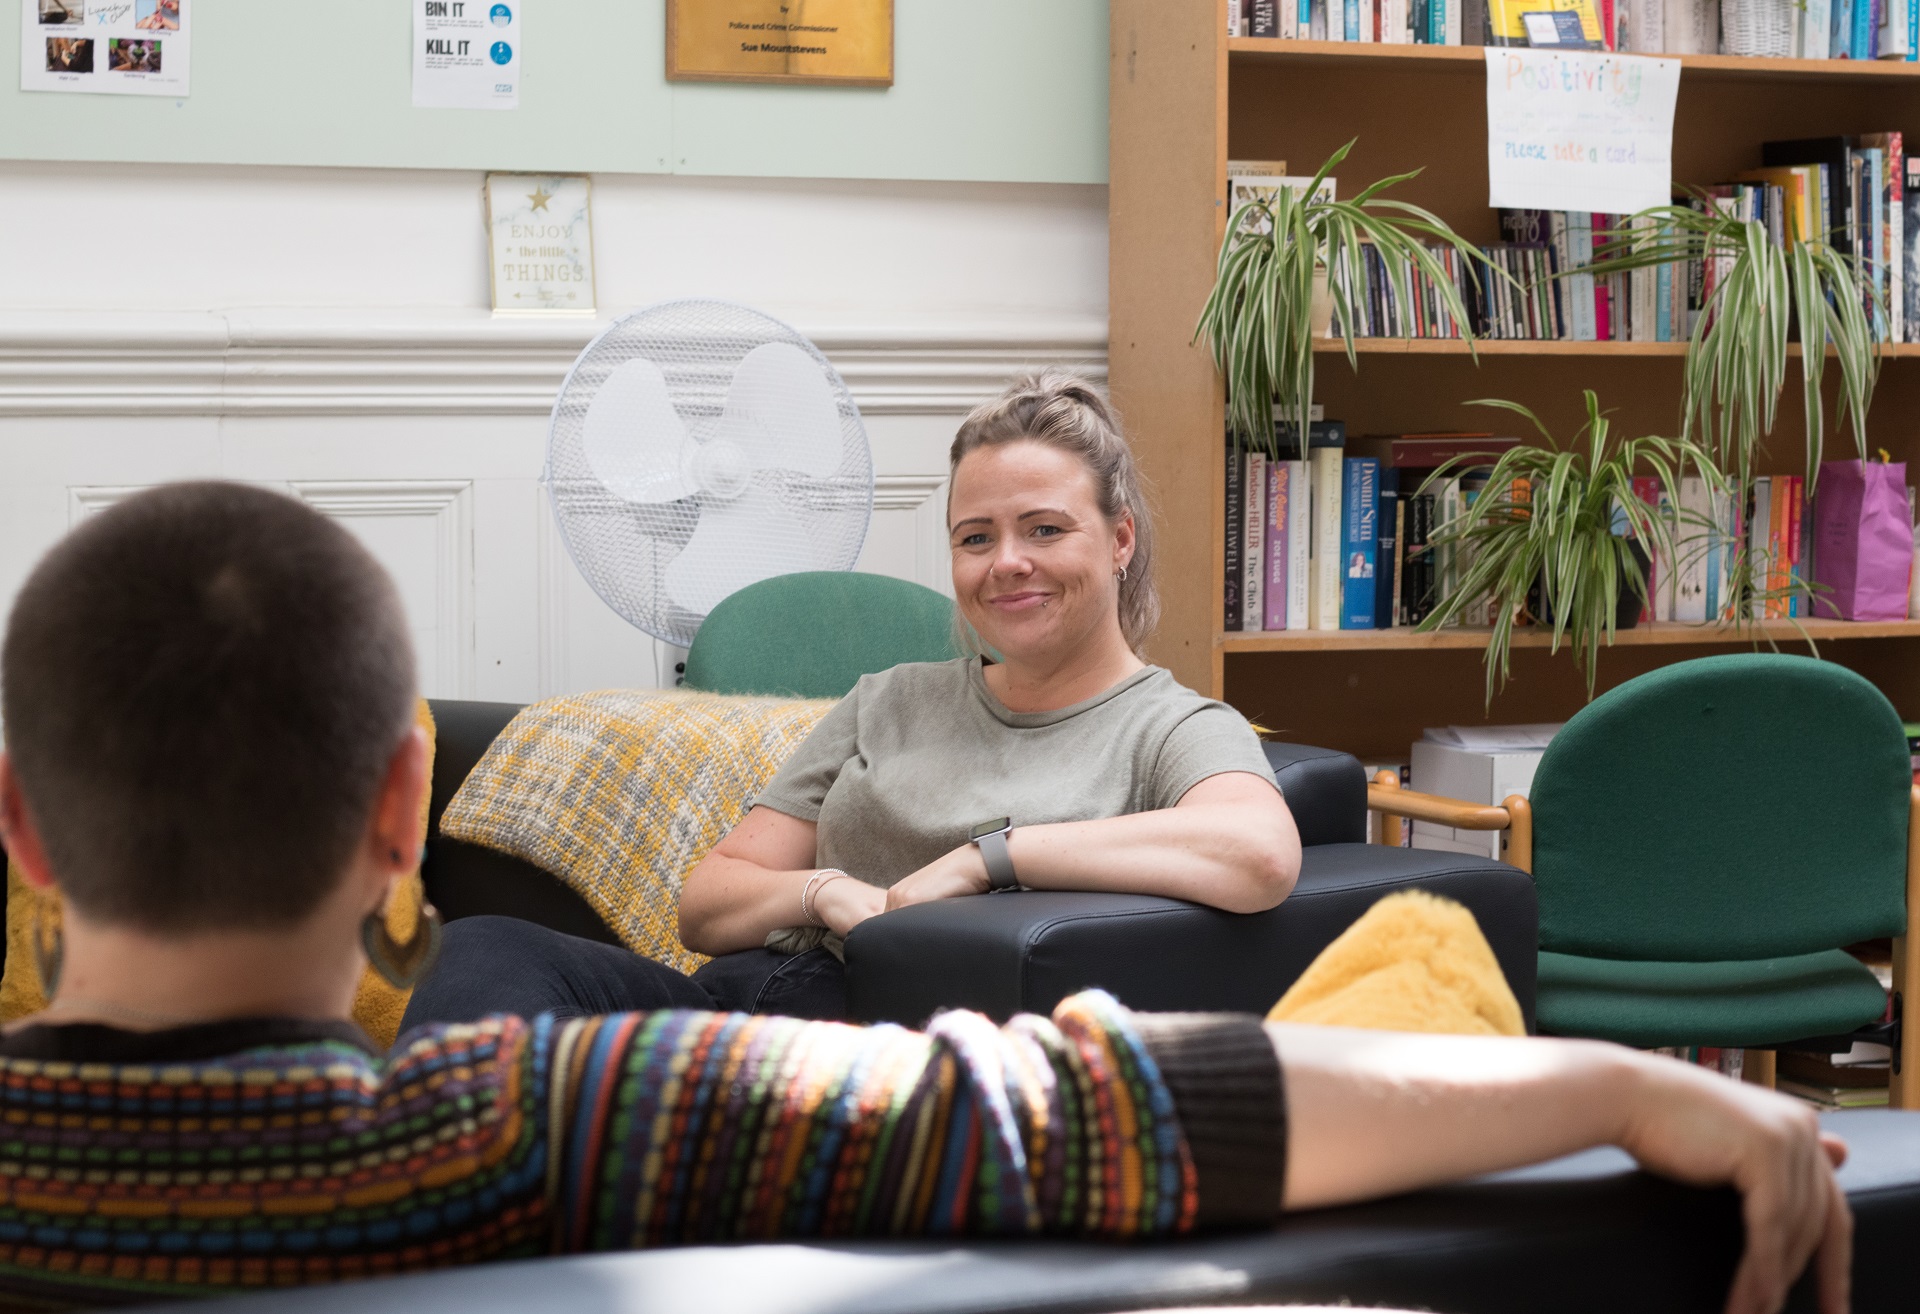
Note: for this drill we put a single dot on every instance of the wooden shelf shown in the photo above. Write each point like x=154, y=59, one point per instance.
x=1184, y=101
x=1470, y=59
x=1550, y=347
x=1665, y=633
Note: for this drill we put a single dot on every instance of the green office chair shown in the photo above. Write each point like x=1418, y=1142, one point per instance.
x=1704, y=840
x=812, y=635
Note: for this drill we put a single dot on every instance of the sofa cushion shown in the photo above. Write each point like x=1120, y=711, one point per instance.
x=1582, y=1235
x=1734, y=1004
x=619, y=793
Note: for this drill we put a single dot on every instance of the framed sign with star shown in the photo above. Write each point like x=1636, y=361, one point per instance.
x=542, y=237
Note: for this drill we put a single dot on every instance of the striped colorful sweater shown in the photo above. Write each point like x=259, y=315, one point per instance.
x=245, y=1155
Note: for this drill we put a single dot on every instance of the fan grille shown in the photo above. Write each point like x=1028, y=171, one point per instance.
x=624, y=549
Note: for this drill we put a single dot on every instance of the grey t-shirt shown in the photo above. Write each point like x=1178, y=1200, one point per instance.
x=915, y=756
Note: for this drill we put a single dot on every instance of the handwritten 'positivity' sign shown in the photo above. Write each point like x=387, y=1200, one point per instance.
x=1579, y=129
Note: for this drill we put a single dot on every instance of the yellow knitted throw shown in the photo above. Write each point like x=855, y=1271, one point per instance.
x=1413, y=962
x=620, y=793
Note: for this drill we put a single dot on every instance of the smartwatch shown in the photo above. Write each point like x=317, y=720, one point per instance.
x=990, y=837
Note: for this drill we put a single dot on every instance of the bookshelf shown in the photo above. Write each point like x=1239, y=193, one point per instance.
x=1183, y=99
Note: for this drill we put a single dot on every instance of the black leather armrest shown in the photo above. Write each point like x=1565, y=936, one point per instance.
x=1326, y=792
x=1024, y=952
x=468, y=880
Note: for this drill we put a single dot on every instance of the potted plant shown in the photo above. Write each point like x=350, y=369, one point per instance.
x=1259, y=319
x=1766, y=296
x=1559, y=531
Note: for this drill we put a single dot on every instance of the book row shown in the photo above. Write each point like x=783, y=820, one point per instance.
x=1342, y=536
x=1860, y=193
x=1806, y=29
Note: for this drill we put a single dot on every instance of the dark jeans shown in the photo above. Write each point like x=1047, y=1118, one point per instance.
x=505, y=965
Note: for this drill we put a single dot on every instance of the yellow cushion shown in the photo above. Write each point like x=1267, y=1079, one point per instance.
x=620, y=793
x=377, y=1006
x=1413, y=962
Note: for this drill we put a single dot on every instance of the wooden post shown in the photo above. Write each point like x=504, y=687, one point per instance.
x=1905, y=1088
x=1758, y=1068
x=1520, y=833
x=1390, y=833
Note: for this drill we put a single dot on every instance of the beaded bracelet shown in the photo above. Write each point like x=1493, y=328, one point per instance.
x=822, y=876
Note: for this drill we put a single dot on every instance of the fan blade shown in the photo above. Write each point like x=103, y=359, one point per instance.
x=737, y=543
x=633, y=437
x=781, y=412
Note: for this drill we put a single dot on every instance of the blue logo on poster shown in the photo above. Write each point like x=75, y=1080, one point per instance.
x=501, y=15
x=501, y=52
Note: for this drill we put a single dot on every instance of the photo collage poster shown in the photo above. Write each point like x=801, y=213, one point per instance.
x=111, y=47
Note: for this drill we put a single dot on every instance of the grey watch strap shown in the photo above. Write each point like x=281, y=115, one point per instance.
x=993, y=850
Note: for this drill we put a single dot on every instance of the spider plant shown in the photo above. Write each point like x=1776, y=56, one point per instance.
x=1258, y=320
x=1546, y=520
x=1737, y=356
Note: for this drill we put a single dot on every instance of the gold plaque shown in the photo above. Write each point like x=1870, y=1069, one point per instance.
x=847, y=43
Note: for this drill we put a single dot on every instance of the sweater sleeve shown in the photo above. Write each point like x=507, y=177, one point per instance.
x=681, y=1127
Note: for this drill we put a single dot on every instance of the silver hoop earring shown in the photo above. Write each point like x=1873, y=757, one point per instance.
x=1123, y=574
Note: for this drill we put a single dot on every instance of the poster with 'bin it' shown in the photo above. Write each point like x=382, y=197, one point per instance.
x=466, y=54
x=106, y=47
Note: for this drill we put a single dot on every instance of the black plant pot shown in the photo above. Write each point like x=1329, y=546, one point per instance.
x=1626, y=612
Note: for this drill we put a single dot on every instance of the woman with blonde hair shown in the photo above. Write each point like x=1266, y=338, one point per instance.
x=1053, y=758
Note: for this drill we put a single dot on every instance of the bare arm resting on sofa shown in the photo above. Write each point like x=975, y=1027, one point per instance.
x=1230, y=843
x=1371, y=1113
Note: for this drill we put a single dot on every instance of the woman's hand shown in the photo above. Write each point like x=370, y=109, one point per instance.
x=953, y=874
x=846, y=901
x=1700, y=1128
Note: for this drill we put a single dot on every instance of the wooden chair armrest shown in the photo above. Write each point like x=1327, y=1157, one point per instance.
x=1433, y=807
x=1514, y=815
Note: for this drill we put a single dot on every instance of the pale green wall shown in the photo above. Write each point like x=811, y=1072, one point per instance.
x=988, y=90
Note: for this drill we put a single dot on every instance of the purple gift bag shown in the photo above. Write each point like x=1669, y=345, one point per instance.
x=1862, y=541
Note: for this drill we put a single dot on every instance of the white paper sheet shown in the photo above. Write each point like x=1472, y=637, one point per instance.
x=466, y=54
x=110, y=47
x=1585, y=130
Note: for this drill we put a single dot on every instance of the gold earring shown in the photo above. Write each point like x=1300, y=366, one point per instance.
x=48, y=959
x=401, y=965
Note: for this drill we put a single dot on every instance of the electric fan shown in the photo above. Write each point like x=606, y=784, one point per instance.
x=698, y=447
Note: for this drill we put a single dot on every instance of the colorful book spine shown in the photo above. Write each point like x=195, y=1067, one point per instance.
x=1323, y=598
x=1387, y=556
x=1359, y=540
x=1299, y=545
x=1760, y=546
x=1647, y=489
x=1253, y=554
x=1279, y=507
x=1235, y=535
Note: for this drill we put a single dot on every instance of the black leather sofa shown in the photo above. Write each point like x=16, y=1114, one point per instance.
x=1584, y=1235
x=1004, y=954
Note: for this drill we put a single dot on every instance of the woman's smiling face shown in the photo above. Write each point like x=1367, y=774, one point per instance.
x=1034, y=560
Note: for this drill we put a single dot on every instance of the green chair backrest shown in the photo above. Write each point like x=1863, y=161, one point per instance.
x=1736, y=807
x=814, y=634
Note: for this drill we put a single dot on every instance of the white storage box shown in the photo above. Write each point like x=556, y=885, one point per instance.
x=1492, y=767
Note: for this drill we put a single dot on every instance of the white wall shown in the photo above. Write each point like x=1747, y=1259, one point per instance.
x=322, y=331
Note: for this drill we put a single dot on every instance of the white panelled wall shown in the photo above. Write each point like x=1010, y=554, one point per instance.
x=323, y=332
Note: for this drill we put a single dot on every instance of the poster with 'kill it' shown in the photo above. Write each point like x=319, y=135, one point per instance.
x=106, y=47
x=466, y=54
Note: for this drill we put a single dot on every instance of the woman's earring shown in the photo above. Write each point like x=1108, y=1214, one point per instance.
x=401, y=965
x=48, y=958
x=1123, y=574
